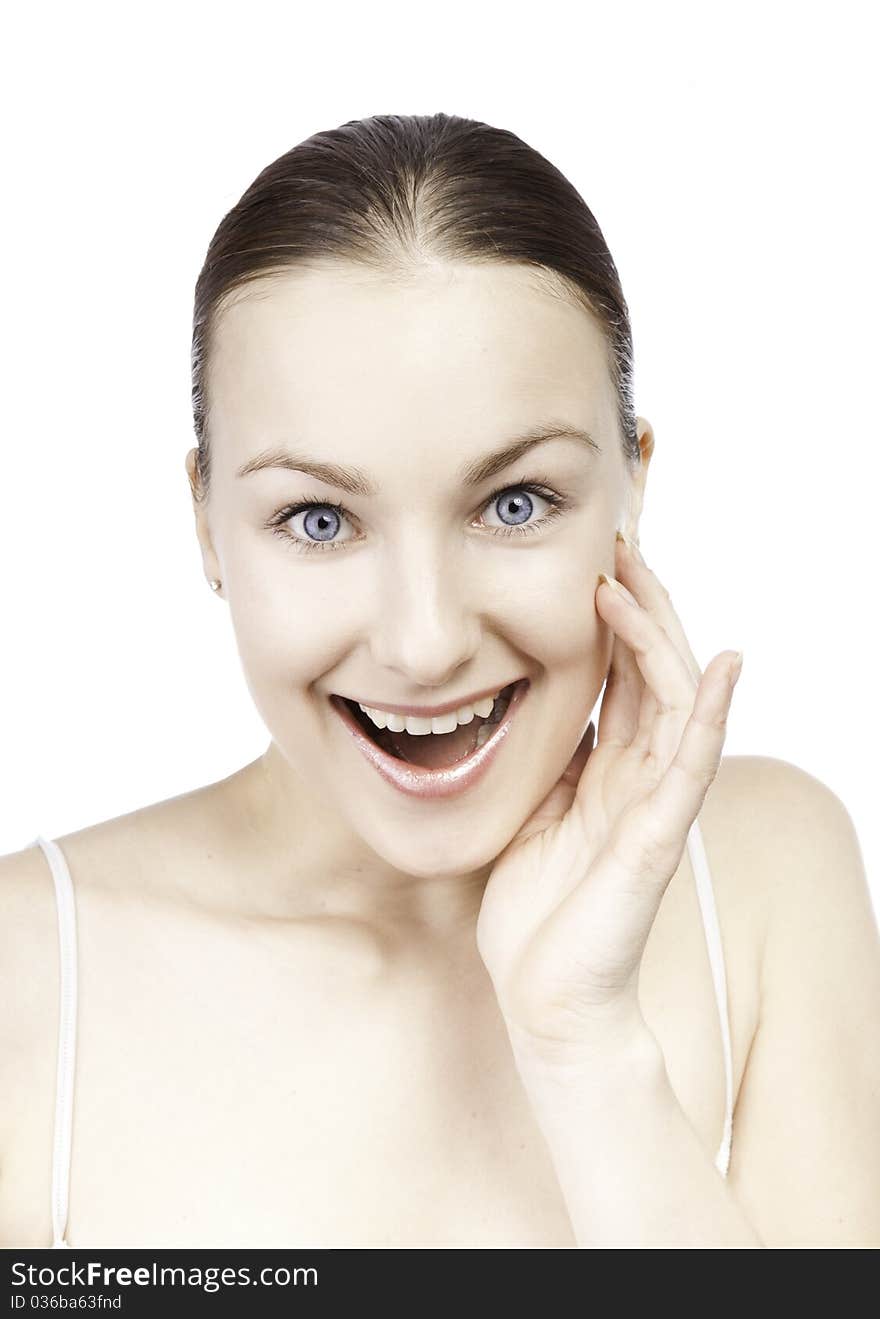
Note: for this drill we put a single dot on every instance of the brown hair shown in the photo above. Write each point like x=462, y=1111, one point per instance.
x=387, y=190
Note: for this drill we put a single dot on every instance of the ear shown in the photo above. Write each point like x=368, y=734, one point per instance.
x=200, y=510
x=638, y=475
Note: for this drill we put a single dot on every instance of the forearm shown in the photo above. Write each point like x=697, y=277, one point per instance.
x=630, y=1166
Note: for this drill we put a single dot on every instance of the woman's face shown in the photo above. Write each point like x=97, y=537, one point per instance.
x=426, y=589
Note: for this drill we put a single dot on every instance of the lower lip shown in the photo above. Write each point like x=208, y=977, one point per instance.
x=415, y=780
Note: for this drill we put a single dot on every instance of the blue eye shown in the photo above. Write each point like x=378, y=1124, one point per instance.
x=518, y=506
x=322, y=520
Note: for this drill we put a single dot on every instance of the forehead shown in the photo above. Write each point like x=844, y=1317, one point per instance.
x=342, y=358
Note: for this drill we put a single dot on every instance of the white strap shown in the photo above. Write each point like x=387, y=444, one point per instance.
x=703, y=879
x=66, y=1037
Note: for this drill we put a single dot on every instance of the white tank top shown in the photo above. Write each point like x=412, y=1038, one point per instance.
x=61, y=1150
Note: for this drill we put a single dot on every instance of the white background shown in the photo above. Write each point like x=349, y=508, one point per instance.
x=729, y=157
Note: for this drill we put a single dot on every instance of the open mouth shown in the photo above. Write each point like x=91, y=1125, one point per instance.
x=436, y=750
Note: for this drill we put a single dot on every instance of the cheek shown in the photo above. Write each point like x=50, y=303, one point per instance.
x=551, y=599
x=287, y=626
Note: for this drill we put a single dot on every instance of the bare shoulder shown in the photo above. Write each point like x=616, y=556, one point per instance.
x=765, y=782
x=776, y=838
x=28, y=944
x=141, y=853
x=800, y=852
x=806, y=1150
x=116, y=865
x=137, y=855
x=29, y=957
x=765, y=818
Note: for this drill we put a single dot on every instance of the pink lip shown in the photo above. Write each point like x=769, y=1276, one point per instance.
x=415, y=780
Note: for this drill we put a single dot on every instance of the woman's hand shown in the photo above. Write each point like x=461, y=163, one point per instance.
x=570, y=902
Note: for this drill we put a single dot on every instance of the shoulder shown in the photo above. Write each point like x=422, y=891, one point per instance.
x=131, y=854
x=778, y=838
x=783, y=853
x=145, y=853
x=784, y=828
x=800, y=851
x=129, y=859
x=27, y=919
x=765, y=780
x=778, y=791
x=29, y=988
x=806, y=1149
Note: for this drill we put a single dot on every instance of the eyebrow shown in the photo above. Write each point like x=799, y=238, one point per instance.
x=354, y=481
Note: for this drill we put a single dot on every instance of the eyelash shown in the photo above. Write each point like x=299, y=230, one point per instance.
x=558, y=506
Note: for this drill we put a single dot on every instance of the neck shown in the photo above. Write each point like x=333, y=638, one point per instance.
x=311, y=863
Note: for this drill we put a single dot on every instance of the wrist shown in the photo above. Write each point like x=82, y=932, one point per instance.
x=584, y=1076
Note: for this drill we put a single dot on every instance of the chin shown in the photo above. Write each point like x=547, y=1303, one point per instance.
x=434, y=852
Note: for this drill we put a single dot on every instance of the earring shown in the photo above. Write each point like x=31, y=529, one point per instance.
x=214, y=584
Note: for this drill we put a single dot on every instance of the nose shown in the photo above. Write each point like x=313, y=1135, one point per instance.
x=427, y=623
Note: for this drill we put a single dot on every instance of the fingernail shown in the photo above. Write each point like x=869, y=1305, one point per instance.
x=619, y=588
x=735, y=669
x=630, y=545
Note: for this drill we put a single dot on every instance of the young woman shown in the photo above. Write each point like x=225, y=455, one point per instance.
x=447, y=965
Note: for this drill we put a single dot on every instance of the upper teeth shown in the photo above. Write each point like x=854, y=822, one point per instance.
x=442, y=723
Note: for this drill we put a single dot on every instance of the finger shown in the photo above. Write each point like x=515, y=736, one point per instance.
x=633, y=705
x=631, y=569
x=622, y=698
x=646, y=845
x=674, y=803
x=653, y=596
x=663, y=668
